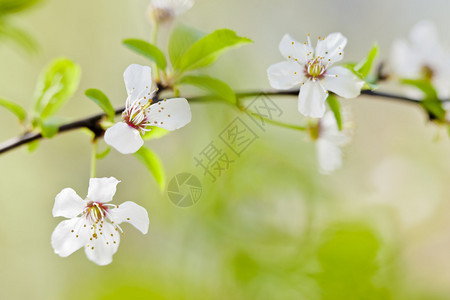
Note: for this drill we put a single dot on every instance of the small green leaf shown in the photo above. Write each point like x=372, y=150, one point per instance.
x=155, y=133
x=147, y=50
x=431, y=102
x=365, y=66
x=153, y=164
x=49, y=128
x=56, y=84
x=425, y=86
x=102, y=100
x=14, y=108
x=217, y=88
x=206, y=50
x=20, y=37
x=32, y=146
x=335, y=107
x=103, y=154
x=14, y=6
x=181, y=39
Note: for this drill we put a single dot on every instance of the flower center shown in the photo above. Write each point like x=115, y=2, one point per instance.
x=136, y=111
x=314, y=69
x=95, y=212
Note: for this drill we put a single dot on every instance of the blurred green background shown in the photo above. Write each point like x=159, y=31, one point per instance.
x=271, y=227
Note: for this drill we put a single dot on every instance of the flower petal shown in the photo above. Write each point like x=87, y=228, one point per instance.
x=311, y=102
x=138, y=81
x=285, y=75
x=329, y=156
x=132, y=213
x=102, y=189
x=405, y=62
x=68, y=204
x=101, y=249
x=170, y=114
x=69, y=236
x=124, y=138
x=332, y=47
x=343, y=82
x=329, y=129
x=293, y=50
x=176, y=7
x=424, y=36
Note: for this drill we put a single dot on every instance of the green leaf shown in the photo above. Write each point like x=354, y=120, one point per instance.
x=19, y=37
x=335, y=107
x=147, y=50
x=425, y=86
x=217, y=88
x=49, y=127
x=181, y=39
x=56, y=84
x=32, y=146
x=103, y=154
x=155, y=133
x=365, y=66
x=206, y=50
x=14, y=108
x=431, y=102
x=102, y=100
x=14, y=6
x=153, y=164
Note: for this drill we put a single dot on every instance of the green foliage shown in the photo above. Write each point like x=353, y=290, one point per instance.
x=206, y=50
x=335, y=107
x=155, y=133
x=147, y=50
x=430, y=102
x=15, y=109
x=14, y=6
x=365, y=66
x=101, y=100
x=103, y=154
x=245, y=267
x=181, y=39
x=152, y=162
x=217, y=88
x=56, y=84
x=19, y=37
x=347, y=256
x=49, y=127
x=32, y=146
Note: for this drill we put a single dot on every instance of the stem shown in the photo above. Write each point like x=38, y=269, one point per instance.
x=94, y=158
x=93, y=123
x=281, y=124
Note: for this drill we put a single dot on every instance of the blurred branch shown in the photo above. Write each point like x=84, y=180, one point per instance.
x=93, y=123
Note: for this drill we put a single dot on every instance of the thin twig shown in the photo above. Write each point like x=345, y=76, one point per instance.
x=93, y=123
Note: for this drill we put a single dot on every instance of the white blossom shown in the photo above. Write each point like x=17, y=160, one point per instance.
x=140, y=113
x=93, y=223
x=312, y=70
x=422, y=57
x=162, y=11
x=330, y=140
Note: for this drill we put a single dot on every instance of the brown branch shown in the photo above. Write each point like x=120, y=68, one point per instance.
x=93, y=123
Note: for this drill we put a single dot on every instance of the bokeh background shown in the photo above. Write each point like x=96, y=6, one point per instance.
x=271, y=227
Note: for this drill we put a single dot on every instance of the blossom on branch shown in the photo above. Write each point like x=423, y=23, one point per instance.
x=140, y=113
x=423, y=57
x=93, y=222
x=329, y=141
x=163, y=11
x=311, y=70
